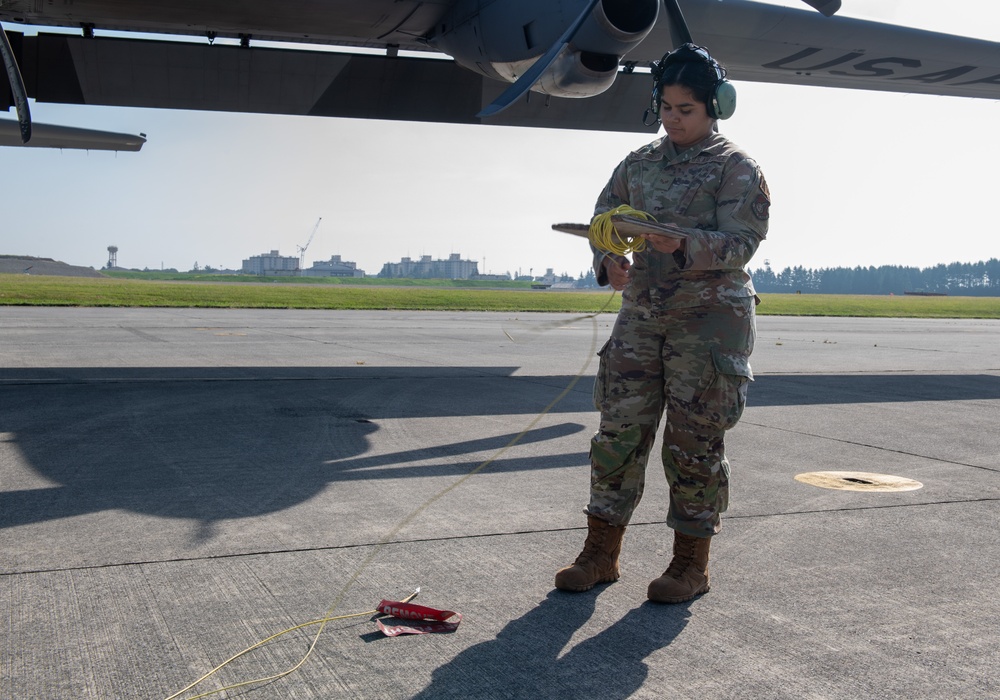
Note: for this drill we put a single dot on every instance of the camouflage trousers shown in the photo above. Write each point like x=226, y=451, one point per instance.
x=692, y=366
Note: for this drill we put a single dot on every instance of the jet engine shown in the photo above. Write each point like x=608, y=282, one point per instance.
x=501, y=39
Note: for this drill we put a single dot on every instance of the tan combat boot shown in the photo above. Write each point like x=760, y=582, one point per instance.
x=687, y=575
x=598, y=562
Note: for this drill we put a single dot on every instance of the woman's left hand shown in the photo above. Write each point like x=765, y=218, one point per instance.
x=664, y=244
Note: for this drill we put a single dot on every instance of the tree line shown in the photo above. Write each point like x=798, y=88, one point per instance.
x=958, y=279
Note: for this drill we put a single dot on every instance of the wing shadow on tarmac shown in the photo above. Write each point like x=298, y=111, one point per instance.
x=818, y=389
x=217, y=448
x=215, y=444
x=526, y=659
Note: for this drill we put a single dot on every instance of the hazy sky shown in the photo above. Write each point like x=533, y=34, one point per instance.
x=857, y=178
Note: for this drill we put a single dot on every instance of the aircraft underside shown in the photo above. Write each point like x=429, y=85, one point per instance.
x=469, y=53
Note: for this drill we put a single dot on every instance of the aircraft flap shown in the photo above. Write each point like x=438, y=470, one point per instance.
x=177, y=75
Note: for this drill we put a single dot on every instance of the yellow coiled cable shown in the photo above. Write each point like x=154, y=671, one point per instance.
x=605, y=236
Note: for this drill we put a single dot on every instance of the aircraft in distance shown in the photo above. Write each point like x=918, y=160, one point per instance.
x=508, y=62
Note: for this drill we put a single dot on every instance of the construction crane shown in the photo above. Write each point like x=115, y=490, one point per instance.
x=303, y=248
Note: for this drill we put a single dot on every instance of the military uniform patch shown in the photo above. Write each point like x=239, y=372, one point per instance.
x=762, y=205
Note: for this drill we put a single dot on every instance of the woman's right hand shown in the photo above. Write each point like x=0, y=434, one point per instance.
x=618, y=272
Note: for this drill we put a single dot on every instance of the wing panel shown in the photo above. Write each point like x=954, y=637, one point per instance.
x=174, y=75
x=768, y=43
x=402, y=88
x=346, y=22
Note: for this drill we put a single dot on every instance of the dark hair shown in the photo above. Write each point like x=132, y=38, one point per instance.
x=697, y=76
x=690, y=67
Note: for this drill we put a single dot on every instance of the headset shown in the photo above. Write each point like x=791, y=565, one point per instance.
x=721, y=102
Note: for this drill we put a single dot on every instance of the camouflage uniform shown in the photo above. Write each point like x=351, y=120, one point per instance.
x=683, y=338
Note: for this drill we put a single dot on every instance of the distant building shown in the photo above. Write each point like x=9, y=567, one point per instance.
x=334, y=267
x=271, y=264
x=550, y=280
x=500, y=277
x=454, y=268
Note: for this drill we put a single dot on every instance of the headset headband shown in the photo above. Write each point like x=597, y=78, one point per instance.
x=686, y=53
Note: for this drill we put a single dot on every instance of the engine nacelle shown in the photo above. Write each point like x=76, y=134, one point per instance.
x=572, y=74
x=501, y=39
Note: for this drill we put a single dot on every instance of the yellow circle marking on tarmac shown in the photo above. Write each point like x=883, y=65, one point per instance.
x=858, y=481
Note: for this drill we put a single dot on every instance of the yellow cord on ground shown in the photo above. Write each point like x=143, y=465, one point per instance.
x=262, y=642
x=386, y=539
x=605, y=236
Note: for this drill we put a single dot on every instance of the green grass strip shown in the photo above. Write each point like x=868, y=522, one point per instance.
x=904, y=306
x=33, y=290
x=82, y=291
x=296, y=280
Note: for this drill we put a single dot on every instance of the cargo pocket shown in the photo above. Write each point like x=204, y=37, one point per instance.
x=601, y=380
x=721, y=403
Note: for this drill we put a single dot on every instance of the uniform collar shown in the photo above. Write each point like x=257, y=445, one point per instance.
x=673, y=155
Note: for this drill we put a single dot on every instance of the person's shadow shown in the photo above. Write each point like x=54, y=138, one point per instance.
x=526, y=660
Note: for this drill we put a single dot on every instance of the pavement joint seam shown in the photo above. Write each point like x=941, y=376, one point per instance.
x=425, y=540
x=873, y=447
x=816, y=511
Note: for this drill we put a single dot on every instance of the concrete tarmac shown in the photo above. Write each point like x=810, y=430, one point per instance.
x=179, y=484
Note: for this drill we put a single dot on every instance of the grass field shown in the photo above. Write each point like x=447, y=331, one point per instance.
x=324, y=281
x=31, y=290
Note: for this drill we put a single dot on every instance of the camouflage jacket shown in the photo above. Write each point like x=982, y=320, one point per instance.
x=712, y=190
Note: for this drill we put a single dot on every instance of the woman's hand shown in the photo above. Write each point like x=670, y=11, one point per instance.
x=618, y=271
x=663, y=244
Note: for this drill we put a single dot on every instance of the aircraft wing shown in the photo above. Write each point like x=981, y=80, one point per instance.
x=797, y=47
x=181, y=75
x=53, y=136
x=757, y=42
